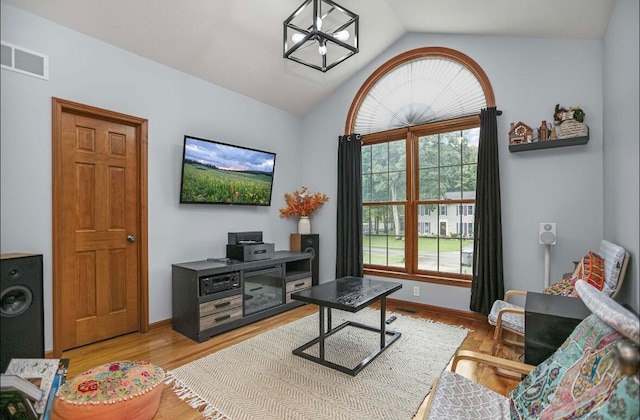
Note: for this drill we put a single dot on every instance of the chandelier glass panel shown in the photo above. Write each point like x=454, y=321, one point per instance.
x=320, y=34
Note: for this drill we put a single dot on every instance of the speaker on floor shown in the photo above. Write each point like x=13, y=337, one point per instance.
x=547, y=233
x=21, y=308
x=308, y=243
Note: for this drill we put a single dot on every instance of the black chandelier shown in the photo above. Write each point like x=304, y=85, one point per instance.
x=321, y=36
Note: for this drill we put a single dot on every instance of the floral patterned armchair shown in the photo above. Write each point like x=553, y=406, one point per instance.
x=594, y=374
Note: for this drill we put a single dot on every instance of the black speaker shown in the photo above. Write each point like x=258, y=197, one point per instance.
x=21, y=308
x=308, y=243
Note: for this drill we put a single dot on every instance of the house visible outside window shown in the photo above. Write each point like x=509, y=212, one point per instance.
x=424, y=211
x=464, y=229
x=462, y=210
x=419, y=162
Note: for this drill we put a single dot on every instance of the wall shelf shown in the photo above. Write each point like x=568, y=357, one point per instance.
x=549, y=144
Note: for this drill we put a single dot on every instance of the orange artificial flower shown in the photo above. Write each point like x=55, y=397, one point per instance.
x=302, y=203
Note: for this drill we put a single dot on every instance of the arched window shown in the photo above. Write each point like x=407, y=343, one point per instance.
x=419, y=117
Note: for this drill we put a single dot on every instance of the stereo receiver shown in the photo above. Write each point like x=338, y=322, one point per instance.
x=219, y=283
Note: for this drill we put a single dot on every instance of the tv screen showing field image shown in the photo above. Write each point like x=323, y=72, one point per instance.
x=219, y=173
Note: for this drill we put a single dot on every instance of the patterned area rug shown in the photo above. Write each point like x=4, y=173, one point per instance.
x=261, y=379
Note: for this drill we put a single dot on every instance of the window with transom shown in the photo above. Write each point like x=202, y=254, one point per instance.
x=419, y=117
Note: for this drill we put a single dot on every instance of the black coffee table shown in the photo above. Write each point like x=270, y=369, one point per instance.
x=348, y=294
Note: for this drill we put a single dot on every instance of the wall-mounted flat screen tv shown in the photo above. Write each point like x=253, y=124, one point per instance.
x=220, y=173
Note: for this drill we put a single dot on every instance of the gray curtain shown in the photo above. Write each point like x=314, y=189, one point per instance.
x=349, y=201
x=488, y=278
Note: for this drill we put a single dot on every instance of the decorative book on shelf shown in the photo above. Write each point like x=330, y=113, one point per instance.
x=40, y=372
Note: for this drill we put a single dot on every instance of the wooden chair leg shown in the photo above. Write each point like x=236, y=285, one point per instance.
x=497, y=340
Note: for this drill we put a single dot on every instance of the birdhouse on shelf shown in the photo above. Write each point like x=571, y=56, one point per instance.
x=520, y=133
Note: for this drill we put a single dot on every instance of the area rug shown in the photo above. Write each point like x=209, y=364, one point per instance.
x=261, y=379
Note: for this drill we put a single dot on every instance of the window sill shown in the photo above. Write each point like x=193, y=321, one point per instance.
x=448, y=281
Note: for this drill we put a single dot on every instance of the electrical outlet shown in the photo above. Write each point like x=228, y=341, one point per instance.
x=416, y=291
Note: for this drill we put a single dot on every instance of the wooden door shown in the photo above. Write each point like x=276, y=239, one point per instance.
x=99, y=224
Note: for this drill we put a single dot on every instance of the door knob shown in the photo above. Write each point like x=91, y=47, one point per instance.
x=131, y=238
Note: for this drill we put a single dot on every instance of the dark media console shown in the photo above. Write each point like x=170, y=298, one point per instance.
x=219, y=294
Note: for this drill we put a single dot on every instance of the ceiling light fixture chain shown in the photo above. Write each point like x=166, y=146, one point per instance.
x=329, y=28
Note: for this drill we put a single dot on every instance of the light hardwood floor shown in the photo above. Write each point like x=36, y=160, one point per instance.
x=169, y=349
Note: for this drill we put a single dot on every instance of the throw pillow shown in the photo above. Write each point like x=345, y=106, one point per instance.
x=592, y=270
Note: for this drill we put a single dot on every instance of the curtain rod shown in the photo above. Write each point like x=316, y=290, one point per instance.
x=498, y=112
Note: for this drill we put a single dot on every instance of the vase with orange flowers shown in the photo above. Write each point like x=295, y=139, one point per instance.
x=302, y=204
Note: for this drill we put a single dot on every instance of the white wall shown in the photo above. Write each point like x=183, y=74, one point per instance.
x=621, y=151
x=85, y=70
x=562, y=185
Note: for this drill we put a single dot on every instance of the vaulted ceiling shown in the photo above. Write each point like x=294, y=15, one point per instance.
x=237, y=44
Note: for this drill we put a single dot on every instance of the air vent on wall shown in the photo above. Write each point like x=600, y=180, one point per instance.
x=24, y=61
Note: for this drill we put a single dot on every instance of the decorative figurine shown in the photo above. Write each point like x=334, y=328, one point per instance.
x=569, y=123
x=561, y=114
x=544, y=131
